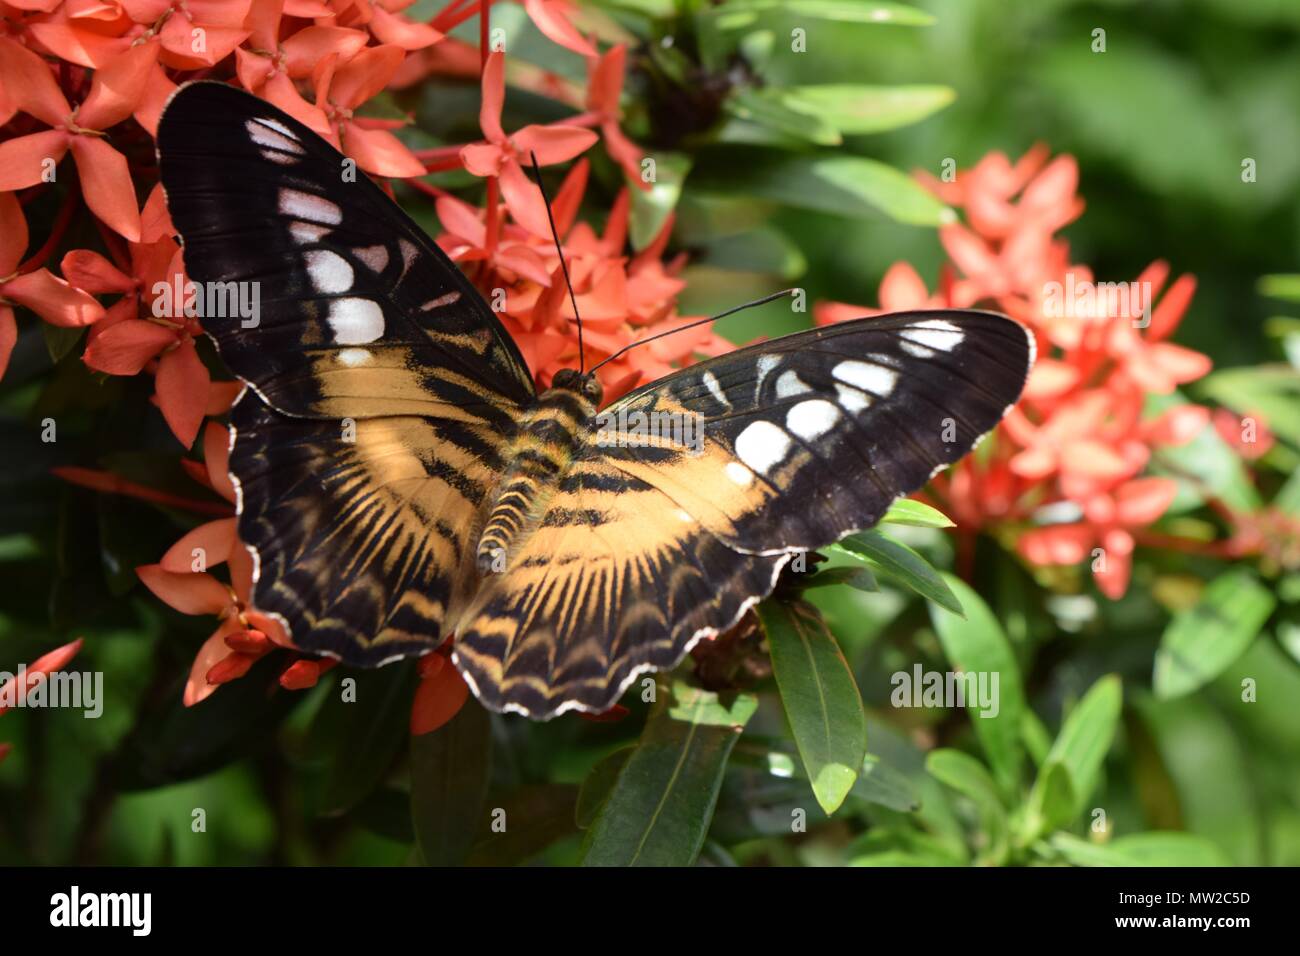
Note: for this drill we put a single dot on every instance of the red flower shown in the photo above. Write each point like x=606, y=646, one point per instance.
x=1106, y=533
x=501, y=155
x=50, y=297
x=114, y=93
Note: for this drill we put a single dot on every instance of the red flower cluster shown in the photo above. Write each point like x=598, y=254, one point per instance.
x=1064, y=473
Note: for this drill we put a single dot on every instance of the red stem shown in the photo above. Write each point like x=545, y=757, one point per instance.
x=57, y=230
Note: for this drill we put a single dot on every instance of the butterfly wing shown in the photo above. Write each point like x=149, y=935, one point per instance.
x=651, y=545
x=384, y=386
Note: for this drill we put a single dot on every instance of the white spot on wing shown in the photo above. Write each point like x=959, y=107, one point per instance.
x=715, y=389
x=762, y=445
x=738, y=473
x=789, y=383
x=279, y=127
x=868, y=377
x=940, y=335
x=375, y=257
x=765, y=365
x=329, y=271
x=356, y=321
x=313, y=208
x=304, y=233
x=273, y=136
x=853, y=400
x=451, y=298
x=354, y=357
x=812, y=419
x=917, y=351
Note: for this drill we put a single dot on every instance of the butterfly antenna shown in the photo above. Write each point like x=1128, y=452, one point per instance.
x=582, y=354
x=690, y=325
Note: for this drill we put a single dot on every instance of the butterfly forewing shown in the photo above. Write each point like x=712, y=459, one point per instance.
x=814, y=435
x=358, y=313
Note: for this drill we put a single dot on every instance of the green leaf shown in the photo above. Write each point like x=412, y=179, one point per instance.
x=598, y=785
x=1051, y=804
x=860, y=579
x=699, y=706
x=904, y=565
x=843, y=185
x=763, y=250
x=742, y=14
x=659, y=810
x=881, y=784
x=768, y=108
x=363, y=735
x=1069, y=774
x=534, y=817
x=908, y=511
x=651, y=207
x=1203, y=640
x=1157, y=848
x=853, y=109
x=977, y=644
x=967, y=776
x=820, y=697
x=1280, y=287
x=450, y=771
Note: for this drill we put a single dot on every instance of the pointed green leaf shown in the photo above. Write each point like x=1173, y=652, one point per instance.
x=742, y=14
x=1157, y=848
x=1076, y=755
x=1202, y=641
x=967, y=776
x=820, y=696
x=903, y=565
x=658, y=812
x=977, y=644
x=853, y=109
x=450, y=771
x=908, y=511
x=840, y=184
x=651, y=207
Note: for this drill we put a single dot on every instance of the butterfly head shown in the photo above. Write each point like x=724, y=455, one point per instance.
x=587, y=386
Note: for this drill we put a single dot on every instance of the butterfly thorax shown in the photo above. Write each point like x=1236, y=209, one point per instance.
x=536, y=458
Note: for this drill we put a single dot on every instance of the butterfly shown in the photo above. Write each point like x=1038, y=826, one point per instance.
x=400, y=479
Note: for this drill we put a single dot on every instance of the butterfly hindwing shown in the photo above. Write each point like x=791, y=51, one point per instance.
x=653, y=542
x=383, y=388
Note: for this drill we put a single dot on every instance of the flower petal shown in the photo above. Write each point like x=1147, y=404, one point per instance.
x=24, y=160
x=90, y=271
x=438, y=699
x=127, y=346
x=553, y=144
x=182, y=386
x=212, y=540
x=106, y=185
x=187, y=593
x=380, y=152
x=53, y=299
